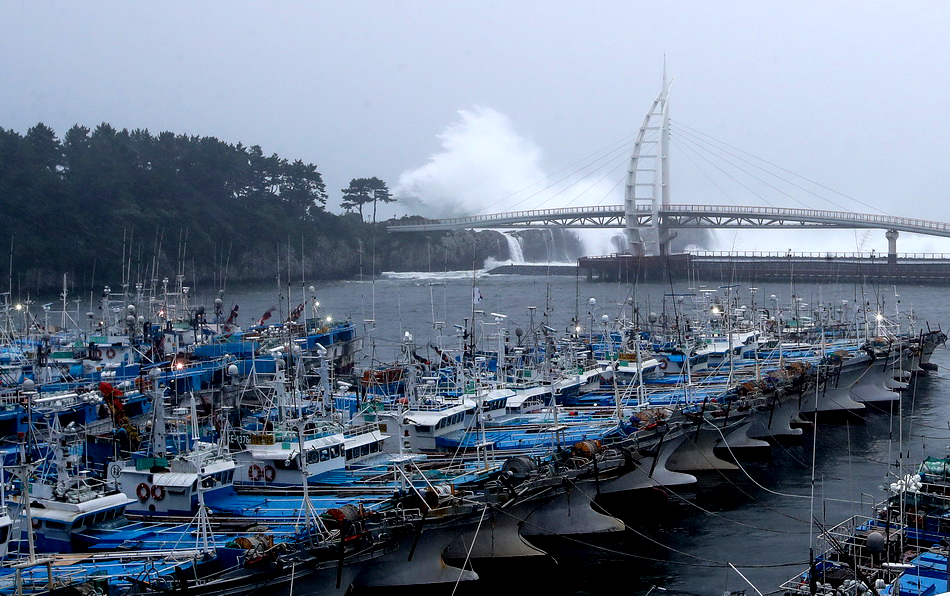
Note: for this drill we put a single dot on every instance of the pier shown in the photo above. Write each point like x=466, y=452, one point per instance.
x=755, y=266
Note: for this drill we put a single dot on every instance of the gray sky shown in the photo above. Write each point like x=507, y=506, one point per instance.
x=476, y=100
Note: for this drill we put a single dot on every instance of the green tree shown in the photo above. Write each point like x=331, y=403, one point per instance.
x=362, y=191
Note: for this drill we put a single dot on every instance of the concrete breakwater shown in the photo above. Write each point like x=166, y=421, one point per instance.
x=921, y=268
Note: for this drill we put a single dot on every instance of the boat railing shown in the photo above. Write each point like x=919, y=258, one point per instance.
x=36, y=574
x=362, y=429
x=290, y=436
x=844, y=546
x=402, y=515
x=435, y=405
x=12, y=399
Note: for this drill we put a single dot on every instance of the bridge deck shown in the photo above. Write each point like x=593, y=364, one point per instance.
x=682, y=216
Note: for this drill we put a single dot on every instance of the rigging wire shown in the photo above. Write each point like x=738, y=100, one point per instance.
x=747, y=475
x=729, y=519
x=699, y=561
x=708, y=562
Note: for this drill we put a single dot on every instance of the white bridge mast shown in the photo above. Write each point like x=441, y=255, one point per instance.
x=648, y=179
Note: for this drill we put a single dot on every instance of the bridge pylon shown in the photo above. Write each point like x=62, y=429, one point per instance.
x=648, y=180
x=891, y=236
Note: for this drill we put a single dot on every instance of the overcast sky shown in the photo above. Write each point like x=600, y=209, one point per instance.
x=463, y=104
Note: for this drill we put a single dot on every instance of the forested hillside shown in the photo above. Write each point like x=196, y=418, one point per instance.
x=98, y=201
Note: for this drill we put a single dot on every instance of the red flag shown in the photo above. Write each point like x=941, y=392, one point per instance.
x=266, y=315
x=296, y=313
x=233, y=316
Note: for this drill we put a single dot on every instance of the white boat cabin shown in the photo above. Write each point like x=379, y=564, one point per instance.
x=170, y=487
x=274, y=458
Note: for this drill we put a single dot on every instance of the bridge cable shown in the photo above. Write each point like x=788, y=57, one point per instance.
x=624, y=142
x=772, y=186
x=609, y=192
x=711, y=179
x=850, y=198
x=562, y=179
x=750, y=174
x=733, y=178
x=598, y=181
x=698, y=140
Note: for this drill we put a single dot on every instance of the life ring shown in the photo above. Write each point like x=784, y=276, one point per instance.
x=110, y=353
x=142, y=492
x=158, y=492
x=95, y=353
x=663, y=364
x=269, y=473
x=254, y=472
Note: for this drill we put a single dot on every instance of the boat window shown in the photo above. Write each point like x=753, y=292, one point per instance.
x=373, y=447
x=423, y=429
x=324, y=454
x=335, y=451
x=52, y=525
x=349, y=454
x=3, y=533
x=364, y=449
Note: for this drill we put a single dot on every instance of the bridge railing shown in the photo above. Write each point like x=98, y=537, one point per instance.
x=884, y=220
x=868, y=219
x=919, y=256
x=530, y=213
x=766, y=254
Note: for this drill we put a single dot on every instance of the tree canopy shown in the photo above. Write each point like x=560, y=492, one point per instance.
x=108, y=205
x=67, y=204
x=362, y=191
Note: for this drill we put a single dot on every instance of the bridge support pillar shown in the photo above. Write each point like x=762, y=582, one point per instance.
x=666, y=241
x=891, y=236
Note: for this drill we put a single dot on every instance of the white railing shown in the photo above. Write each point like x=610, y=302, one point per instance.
x=929, y=256
x=528, y=214
x=883, y=221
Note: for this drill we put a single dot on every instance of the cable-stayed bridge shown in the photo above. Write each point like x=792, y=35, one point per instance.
x=669, y=217
x=650, y=219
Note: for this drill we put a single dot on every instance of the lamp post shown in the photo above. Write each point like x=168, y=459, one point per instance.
x=590, y=331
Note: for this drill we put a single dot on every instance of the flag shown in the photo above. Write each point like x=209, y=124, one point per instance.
x=266, y=315
x=233, y=316
x=476, y=295
x=295, y=314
